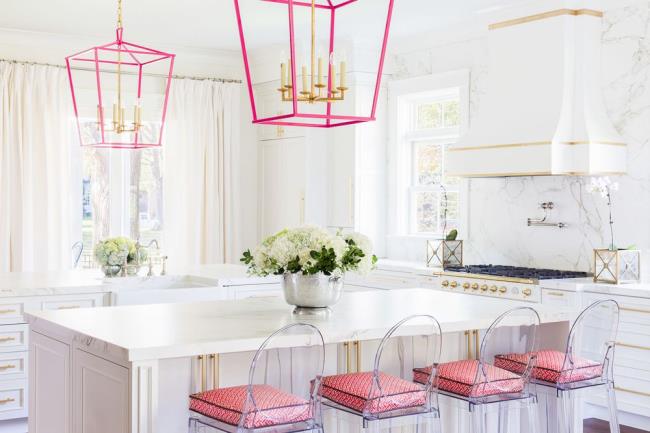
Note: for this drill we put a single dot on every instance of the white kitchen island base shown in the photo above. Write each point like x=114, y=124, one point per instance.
x=131, y=369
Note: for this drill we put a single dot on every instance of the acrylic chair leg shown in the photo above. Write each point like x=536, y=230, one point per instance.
x=503, y=418
x=614, y=427
x=566, y=420
x=532, y=409
x=192, y=425
x=478, y=419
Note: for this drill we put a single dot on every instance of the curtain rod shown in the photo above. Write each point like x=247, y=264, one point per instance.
x=178, y=77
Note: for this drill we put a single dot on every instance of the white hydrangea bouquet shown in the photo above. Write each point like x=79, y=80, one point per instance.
x=111, y=254
x=311, y=250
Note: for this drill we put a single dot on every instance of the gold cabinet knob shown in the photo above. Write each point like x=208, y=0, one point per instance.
x=445, y=283
x=502, y=289
x=493, y=289
x=475, y=286
x=453, y=284
x=484, y=288
x=465, y=286
x=527, y=292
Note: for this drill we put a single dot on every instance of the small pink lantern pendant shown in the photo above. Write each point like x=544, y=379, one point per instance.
x=120, y=92
x=312, y=85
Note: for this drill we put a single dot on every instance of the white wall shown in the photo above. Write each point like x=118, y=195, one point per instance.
x=499, y=207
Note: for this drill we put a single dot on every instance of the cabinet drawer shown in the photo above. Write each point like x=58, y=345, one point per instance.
x=69, y=305
x=13, y=338
x=11, y=312
x=13, y=399
x=13, y=365
x=559, y=298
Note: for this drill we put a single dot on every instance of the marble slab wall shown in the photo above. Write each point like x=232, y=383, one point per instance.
x=499, y=208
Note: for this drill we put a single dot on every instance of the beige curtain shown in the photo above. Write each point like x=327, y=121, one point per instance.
x=35, y=143
x=201, y=154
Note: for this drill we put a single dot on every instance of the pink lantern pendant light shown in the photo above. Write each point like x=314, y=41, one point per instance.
x=312, y=86
x=109, y=85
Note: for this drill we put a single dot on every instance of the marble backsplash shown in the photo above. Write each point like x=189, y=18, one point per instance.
x=499, y=208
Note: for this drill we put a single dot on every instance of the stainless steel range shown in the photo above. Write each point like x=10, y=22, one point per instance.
x=509, y=282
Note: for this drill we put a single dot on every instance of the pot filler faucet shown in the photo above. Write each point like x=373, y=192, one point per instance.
x=547, y=207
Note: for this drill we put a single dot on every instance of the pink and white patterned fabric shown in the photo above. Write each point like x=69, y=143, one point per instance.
x=272, y=406
x=458, y=377
x=550, y=366
x=353, y=390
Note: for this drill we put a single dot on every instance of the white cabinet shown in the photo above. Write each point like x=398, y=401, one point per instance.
x=283, y=184
x=49, y=373
x=15, y=355
x=13, y=399
x=560, y=298
x=101, y=395
x=632, y=357
x=341, y=179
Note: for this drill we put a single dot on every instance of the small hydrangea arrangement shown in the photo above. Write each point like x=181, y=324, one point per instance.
x=113, y=251
x=310, y=250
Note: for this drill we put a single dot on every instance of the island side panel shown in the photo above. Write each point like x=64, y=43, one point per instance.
x=50, y=408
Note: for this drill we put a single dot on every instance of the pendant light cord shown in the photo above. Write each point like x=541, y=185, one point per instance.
x=119, y=14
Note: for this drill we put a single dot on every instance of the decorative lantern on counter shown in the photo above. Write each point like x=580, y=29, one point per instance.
x=119, y=92
x=311, y=85
x=617, y=266
x=442, y=253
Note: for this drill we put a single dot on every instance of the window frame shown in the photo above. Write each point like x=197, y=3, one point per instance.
x=404, y=95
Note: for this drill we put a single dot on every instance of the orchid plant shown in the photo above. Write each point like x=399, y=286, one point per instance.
x=604, y=186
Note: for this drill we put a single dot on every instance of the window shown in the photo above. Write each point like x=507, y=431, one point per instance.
x=121, y=195
x=433, y=197
x=428, y=114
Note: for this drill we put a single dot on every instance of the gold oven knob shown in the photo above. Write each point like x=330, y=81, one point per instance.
x=527, y=292
x=493, y=289
x=454, y=284
x=445, y=283
x=484, y=288
x=465, y=286
x=502, y=289
x=475, y=286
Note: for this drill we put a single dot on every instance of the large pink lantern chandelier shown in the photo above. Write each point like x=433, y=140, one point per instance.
x=312, y=85
x=119, y=92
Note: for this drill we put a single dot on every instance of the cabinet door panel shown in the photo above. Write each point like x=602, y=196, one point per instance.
x=283, y=188
x=101, y=395
x=49, y=378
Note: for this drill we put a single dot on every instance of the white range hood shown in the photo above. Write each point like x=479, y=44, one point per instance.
x=543, y=113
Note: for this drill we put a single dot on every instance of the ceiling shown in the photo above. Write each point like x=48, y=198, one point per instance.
x=209, y=24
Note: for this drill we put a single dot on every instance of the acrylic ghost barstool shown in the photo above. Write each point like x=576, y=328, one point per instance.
x=282, y=394
x=586, y=364
x=483, y=388
x=386, y=396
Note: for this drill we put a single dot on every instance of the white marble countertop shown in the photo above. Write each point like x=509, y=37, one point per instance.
x=93, y=281
x=640, y=290
x=188, y=329
x=419, y=268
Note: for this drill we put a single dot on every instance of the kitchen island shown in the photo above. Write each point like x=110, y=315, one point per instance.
x=131, y=369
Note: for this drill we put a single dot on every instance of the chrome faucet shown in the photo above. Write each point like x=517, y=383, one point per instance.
x=77, y=251
x=150, y=264
x=151, y=242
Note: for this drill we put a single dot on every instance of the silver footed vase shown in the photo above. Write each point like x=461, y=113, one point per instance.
x=312, y=291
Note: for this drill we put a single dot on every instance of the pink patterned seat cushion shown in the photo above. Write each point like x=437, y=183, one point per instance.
x=272, y=406
x=550, y=366
x=352, y=390
x=458, y=377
